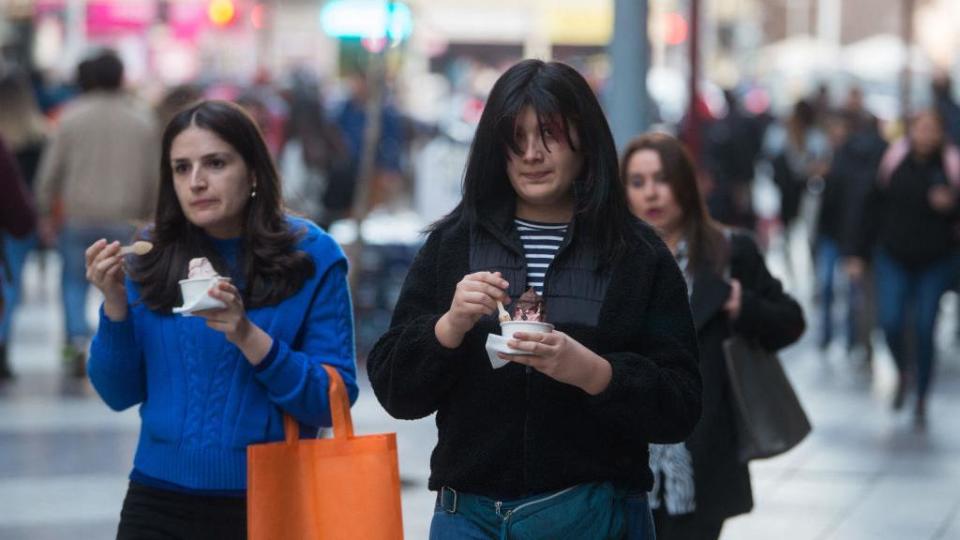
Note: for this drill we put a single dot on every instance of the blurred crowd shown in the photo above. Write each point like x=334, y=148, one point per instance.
x=83, y=155
x=77, y=146
x=878, y=202
x=878, y=206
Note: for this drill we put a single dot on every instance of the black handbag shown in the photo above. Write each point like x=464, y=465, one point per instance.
x=769, y=418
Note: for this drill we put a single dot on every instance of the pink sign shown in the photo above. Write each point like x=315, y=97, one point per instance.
x=119, y=17
x=187, y=19
x=44, y=7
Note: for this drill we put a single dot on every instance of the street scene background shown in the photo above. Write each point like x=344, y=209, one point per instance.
x=713, y=72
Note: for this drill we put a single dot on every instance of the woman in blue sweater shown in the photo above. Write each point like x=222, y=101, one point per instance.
x=211, y=384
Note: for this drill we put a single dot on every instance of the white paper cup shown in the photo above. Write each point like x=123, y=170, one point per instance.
x=508, y=328
x=194, y=288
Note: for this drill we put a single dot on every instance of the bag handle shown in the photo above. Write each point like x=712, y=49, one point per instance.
x=339, y=411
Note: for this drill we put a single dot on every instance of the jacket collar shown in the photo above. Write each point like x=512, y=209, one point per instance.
x=499, y=223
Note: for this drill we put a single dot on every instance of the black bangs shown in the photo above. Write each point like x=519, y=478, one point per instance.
x=548, y=103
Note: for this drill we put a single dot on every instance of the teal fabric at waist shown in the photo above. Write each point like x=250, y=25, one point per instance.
x=592, y=511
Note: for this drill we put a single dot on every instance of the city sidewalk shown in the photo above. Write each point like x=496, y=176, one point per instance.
x=863, y=473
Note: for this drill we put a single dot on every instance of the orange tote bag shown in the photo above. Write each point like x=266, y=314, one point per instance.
x=344, y=488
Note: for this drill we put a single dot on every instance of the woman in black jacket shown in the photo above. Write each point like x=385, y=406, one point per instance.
x=701, y=482
x=560, y=432
x=909, y=227
x=22, y=127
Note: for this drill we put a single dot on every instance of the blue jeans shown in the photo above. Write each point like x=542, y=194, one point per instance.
x=447, y=526
x=73, y=243
x=901, y=290
x=827, y=259
x=15, y=251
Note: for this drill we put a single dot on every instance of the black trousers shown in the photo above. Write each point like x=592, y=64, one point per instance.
x=685, y=527
x=153, y=514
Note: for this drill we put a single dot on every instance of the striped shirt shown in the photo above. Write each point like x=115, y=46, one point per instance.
x=541, y=241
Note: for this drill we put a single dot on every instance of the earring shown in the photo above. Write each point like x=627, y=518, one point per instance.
x=253, y=194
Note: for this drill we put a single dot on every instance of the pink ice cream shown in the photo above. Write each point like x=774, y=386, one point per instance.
x=201, y=268
x=530, y=307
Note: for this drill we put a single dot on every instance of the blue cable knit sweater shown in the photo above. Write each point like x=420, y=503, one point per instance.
x=201, y=402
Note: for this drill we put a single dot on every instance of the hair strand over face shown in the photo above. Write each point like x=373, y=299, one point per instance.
x=556, y=93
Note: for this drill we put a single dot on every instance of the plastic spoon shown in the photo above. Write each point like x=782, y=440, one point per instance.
x=504, y=316
x=140, y=247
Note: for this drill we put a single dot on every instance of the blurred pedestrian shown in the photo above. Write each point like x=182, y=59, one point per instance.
x=852, y=174
x=17, y=219
x=701, y=482
x=733, y=146
x=856, y=116
x=51, y=95
x=910, y=230
x=946, y=106
x=97, y=179
x=315, y=152
x=23, y=127
x=18, y=216
x=561, y=430
x=175, y=100
x=211, y=384
x=386, y=180
x=21, y=123
x=263, y=101
x=694, y=123
x=822, y=104
x=799, y=152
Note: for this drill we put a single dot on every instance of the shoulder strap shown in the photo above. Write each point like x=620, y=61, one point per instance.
x=7, y=273
x=951, y=164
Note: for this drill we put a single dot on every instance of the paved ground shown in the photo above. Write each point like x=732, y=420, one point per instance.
x=864, y=473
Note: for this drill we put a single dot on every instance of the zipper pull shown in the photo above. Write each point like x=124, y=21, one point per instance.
x=497, y=506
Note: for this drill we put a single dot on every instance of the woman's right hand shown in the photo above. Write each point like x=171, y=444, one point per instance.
x=105, y=272
x=476, y=295
x=855, y=267
x=942, y=198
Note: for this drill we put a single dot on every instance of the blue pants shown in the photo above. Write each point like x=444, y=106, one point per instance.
x=447, y=526
x=901, y=290
x=828, y=258
x=74, y=241
x=15, y=251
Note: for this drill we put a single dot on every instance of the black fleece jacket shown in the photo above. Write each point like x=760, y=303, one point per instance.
x=898, y=216
x=512, y=432
x=774, y=320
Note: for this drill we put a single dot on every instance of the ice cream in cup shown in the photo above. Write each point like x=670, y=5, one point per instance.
x=201, y=277
x=529, y=315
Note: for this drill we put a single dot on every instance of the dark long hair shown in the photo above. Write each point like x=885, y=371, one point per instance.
x=271, y=268
x=550, y=89
x=707, y=245
x=803, y=118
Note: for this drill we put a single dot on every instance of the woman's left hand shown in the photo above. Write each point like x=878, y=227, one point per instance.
x=732, y=307
x=231, y=320
x=942, y=198
x=561, y=358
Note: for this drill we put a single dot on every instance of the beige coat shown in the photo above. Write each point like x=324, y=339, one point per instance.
x=103, y=161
